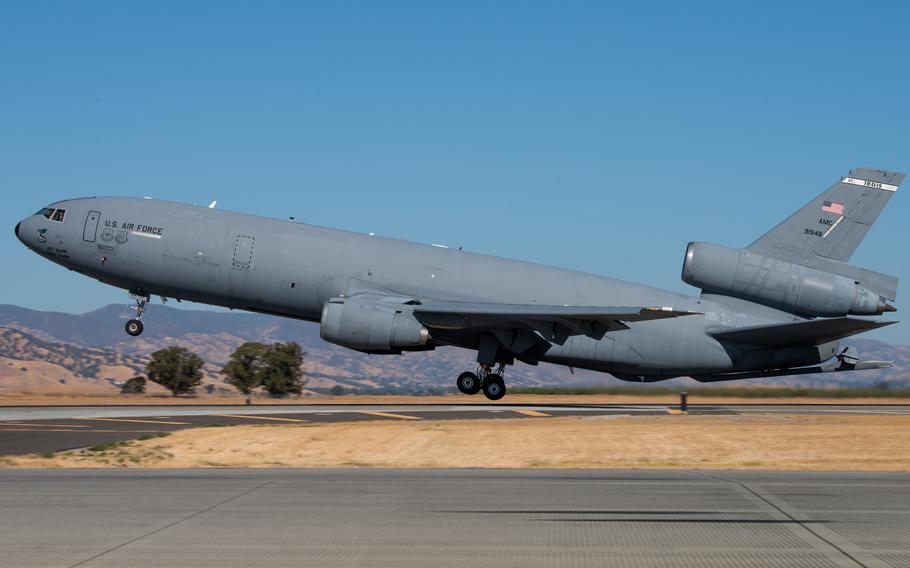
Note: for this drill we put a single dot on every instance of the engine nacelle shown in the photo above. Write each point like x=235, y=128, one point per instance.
x=777, y=283
x=371, y=326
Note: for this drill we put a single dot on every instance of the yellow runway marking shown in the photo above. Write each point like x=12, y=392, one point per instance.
x=390, y=415
x=251, y=417
x=531, y=412
x=676, y=411
x=136, y=420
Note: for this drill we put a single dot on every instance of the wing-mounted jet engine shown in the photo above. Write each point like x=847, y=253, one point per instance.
x=373, y=325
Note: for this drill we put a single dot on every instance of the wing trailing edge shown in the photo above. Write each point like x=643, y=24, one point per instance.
x=552, y=323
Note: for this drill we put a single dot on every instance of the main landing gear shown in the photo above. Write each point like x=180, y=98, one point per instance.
x=134, y=327
x=492, y=384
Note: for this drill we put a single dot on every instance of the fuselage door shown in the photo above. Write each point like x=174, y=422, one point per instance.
x=243, y=252
x=91, y=226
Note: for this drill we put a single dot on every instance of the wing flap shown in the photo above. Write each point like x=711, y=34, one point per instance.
x=481, y=309
x=797, y=334
x=553, y=323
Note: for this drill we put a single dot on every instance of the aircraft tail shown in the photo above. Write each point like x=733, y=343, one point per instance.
x=833, y=224
x=801, y=265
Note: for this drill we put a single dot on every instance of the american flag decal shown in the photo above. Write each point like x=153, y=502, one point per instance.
x=833, y=207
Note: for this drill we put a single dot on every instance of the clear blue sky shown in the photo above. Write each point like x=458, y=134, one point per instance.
x=588, y=135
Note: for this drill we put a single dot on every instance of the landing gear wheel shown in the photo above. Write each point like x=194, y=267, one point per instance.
x=468, y=383
x=494, y=387
x=134, y=327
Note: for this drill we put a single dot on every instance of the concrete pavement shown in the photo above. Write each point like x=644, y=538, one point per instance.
x=408, y=518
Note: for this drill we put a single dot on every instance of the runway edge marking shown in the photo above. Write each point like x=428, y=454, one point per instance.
x=136, y=420
x=34, y=425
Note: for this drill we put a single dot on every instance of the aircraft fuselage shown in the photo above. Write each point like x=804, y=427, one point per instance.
x=291, y=269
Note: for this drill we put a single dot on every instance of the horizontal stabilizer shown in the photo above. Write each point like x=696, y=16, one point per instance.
x=839, y=365
x=797, y=334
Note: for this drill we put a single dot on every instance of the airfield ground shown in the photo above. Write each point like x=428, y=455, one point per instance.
x=30, y=399
x=340, y=518
x=128, y=502
x=754, y=441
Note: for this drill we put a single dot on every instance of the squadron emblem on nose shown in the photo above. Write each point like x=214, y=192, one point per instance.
x=121, y=237
x=107, y=235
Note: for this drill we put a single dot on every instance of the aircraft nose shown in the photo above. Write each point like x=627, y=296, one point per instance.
x=21, y=231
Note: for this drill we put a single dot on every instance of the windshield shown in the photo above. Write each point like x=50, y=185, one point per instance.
x=57, y=215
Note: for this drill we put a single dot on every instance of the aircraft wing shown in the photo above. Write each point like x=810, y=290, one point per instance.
x=796, y=334
x=552, y=323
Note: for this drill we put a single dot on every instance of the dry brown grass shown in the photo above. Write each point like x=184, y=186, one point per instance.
x=772, y=441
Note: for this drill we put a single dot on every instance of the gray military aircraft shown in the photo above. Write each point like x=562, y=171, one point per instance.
x=777, y=307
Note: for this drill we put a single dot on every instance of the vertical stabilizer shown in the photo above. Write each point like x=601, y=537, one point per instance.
x=833, y=224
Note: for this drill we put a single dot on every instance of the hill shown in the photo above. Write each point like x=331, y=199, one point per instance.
x=92, y=352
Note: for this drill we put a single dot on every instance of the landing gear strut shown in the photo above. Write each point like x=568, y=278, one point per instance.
x=134, y=327
x=492, y=384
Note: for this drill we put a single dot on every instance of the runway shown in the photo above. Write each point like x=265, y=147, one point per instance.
x=419, y=518
x=26, y=430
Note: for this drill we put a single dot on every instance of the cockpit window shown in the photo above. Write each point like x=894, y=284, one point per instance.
x=59, y=214
x=47, y=212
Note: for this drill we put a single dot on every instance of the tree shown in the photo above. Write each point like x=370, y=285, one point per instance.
x=336, y=390
x=243, y=369
x=176, y=369
x=281, y=371
x=136, y=385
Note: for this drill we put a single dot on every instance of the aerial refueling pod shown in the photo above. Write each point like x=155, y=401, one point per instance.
x=371, y=326
x=793, y=287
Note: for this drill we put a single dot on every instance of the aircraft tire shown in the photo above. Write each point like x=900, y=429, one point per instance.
x=134, y=327
x=494, y=388
x=468, y=383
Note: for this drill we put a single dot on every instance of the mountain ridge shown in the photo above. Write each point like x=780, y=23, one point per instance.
x=61, y=339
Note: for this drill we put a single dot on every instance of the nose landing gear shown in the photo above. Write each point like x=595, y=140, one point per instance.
x=492, y=384
x=134, y=327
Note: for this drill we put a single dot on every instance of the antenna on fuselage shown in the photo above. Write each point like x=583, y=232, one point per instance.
x=212, y=204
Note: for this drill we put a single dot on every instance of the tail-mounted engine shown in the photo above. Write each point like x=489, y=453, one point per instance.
x=789, y=286
x=371, y=326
